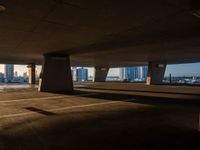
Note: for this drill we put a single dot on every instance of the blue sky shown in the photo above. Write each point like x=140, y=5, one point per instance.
x=175, y=70
x=183, y=69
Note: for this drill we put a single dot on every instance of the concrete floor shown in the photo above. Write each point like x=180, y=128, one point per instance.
x=100, y=116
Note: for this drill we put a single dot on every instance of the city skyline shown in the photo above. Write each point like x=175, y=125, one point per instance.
x=9, y=72
x=174, y=69
x=20, y=69
x=183, y=69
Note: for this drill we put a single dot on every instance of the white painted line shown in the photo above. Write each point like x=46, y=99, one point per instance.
x=65, y=108
x=89, y=105
x=29, y=99
x=44, y=98
x=17, y=115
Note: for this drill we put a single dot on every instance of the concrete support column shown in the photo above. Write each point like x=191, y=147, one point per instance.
x=56, y=74
x=100, y=74
x=156, y=71
x=31, y=72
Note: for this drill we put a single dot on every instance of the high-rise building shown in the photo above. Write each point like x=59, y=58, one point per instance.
x=1, y=77
x=127, y=73
x=144, y=72
x=82, y=74
x=74, y=72
x=9, y=72
x=133, y=73
x=121, y=74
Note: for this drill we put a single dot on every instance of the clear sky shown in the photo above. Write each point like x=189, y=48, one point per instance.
x=183, y=69
x=175, y=70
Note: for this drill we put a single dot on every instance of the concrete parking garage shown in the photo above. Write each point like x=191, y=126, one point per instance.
x=99, y=119
x=58, y=34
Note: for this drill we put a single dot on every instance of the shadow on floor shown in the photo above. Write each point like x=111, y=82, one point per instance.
x=142, y=91
x=140, y=129
x=109, y=128
x=152, y=100
x=43, y=112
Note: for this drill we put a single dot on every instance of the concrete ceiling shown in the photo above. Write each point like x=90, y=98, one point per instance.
x=100, y=32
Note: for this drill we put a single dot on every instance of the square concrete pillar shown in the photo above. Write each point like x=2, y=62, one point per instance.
x=56, y=74
x=100, y=74
x=156, y=72
x=31, y=73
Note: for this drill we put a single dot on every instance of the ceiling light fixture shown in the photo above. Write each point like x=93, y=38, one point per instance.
x=2, y=8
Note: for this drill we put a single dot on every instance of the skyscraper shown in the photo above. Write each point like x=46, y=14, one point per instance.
x=1, y=77
x=122, y=74
x=9, y=72
x=82, y=74
x=133, y=73
x=144, y=70
x=127, y=73
x=74, y=72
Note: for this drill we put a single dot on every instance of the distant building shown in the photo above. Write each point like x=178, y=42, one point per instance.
x=82, y=74
x=25, y=75
x=112, y=78
x=9, y=72
x=144, y=71
x=128, y=73
x=121, y=74
x=90, y=78
x=19, y=80
x=74, y=76
x=136, y=73
x=1, y=77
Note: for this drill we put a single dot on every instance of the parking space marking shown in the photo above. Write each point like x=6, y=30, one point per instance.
x=29, y=99
x=44, y=98
x=66, y=108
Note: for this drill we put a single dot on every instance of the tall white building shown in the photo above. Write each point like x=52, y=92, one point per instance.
x=74, y=76
x=121, y=74
x=9, y=72
x=133, y=73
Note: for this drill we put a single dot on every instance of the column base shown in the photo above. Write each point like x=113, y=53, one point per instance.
x=100, y=74
x=56, y=74
x=156, y=72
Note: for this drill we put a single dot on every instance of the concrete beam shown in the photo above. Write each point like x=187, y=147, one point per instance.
x=156, y=71
x=100, y=74
x=31, y=72
x=56, y=74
